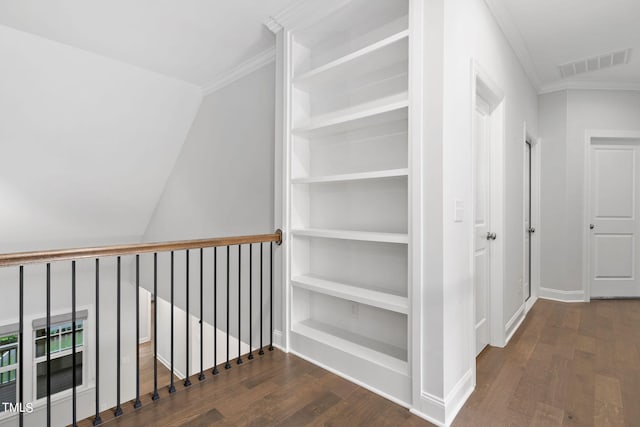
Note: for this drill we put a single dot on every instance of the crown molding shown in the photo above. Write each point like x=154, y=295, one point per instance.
x=515, y=39
x=301, y=12
x=587, y=85
x=241, y=70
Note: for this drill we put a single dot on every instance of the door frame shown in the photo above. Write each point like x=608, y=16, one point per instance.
x=483, y=87
x=589, y=136
x=536, y=148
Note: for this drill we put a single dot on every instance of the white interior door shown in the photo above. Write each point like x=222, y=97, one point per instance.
x=615, y=196
x=482, y=224
x=527, y=221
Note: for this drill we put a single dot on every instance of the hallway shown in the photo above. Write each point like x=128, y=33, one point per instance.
x=569, y=364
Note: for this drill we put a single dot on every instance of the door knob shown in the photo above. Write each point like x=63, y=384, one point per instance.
x=591, y=226
x=491, y=236
x=532, y=230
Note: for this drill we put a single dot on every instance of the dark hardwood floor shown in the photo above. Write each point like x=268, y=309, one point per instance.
x=569, y=364
x=274, y=389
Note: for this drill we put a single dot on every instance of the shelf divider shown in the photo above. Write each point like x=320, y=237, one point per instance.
x=368, y=349
x=365, y=236
x=389, y=173
x=350, y=59
x=363, y=111
x=379, y=299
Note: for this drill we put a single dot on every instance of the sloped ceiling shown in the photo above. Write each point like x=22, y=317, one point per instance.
x=87, y=143
x=547, y=33
x=96, y=100
x=194, y=40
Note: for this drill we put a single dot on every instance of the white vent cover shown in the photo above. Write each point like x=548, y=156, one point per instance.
x=595, y=63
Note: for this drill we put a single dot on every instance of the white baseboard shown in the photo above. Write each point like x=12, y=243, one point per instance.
x=167, y=364
x=514, y=323
x=562, y=296
x=278, y=340
x=351, y=379
x=442, y=412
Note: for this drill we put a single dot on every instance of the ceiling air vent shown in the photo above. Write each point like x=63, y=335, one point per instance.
x=595, y=63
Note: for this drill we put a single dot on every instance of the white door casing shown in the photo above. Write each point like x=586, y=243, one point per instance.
x=527, y=291
x=488, y=103
x=614, y=220
x=482, y=226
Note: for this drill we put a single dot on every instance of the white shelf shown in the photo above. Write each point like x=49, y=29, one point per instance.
x=391, y=173
x=382, y=53
x=347, y=119
x=365, y=236
x=383, y=354
x=361, y=295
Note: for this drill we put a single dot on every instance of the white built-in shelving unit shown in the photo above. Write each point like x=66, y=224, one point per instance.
x=347, y=108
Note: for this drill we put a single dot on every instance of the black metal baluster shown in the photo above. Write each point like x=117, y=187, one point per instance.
x=187, y=382
x=228, y=365
x=20, y=349
x=271, y=295
x=239, y=361
x=155, y=395
x=137, y=402
x=73, y=345
x=48, y=345
x=261, y=352
x=172, y=388
x=250, y=357
x=97, y=420
x=215, y=311
x=118, y=410
x=201, y=377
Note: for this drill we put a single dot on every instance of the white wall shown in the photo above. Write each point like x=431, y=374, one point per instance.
x=470, y=33
x=87, y=144
x=563, y=174
x=553, y=183
x=221, y=185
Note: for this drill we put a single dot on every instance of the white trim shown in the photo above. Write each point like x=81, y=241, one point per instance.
x=442, y=412
x=167, y=364
x=562, y=296
x=416, y=248
x=278, y=340
x=590, y=134
x=514, y=323
x=458, y=395
x=514, y=37
x=301, y=12
x=494, y=96
x=587, y=85
x=351, y=379
x=534, y=220
x=432, y=409
x=245, y=68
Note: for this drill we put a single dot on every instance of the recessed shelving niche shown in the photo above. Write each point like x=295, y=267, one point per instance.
x=348, y=205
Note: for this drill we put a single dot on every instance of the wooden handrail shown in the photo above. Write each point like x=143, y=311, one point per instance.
x=22, y=258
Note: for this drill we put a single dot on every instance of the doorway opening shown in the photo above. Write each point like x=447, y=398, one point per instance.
x=487, y=225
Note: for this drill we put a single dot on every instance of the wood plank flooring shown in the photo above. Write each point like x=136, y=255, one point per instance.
x=568, y=365
x=276, y=389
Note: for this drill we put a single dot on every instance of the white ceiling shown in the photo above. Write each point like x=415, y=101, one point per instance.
x=197, y=41
x=547, y=33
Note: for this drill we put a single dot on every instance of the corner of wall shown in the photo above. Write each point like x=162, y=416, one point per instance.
x=442, y=412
